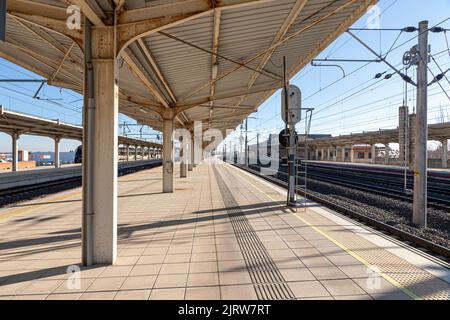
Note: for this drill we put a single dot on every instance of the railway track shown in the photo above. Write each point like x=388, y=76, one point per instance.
x=13, y=195
x=388, y=184
x=435, y=249
x=388, y=178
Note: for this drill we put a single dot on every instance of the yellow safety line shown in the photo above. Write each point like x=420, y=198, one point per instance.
x=37, y=206
x=349, y=251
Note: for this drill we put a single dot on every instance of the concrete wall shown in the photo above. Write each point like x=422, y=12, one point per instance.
x=21, y=165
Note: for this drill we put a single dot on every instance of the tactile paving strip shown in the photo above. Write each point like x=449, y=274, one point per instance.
x=267, y=280
x=414, y=281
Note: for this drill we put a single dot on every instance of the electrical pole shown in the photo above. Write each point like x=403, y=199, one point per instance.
x=246, y=142
x=420, y=168
x=257, y=149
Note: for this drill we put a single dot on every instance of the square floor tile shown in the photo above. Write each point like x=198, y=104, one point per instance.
x=145, y=270
x=167, y=294
x=343, y=287
x=140, y=282
x=133, y=295
x=297, y=274
x=203, y=293
x=202, y=267
x=236, y=277
x=203, y=279
x=238, y=292
x=106, y=284
x=327, y=273
x=174, y=268
x=171, y=281
x=107, y=295
x=308, y=289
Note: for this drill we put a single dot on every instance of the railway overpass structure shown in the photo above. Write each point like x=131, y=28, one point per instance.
x=341, y=148
x=16, y=124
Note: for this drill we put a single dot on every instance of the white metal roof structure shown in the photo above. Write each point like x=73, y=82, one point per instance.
x=15, y=122
x=213, y=61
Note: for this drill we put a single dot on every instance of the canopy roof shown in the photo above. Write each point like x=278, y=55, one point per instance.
x=15, y=122
x=437, y=132
x=213, y=61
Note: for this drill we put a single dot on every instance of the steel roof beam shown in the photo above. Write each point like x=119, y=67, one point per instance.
x=214, y=58
x=95, y=16
x=293, y=15
x=188, y=104
x=47, y=16
x=137, y=70
x=138, y=23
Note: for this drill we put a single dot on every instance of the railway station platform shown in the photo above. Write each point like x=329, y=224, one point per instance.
x=222, y=234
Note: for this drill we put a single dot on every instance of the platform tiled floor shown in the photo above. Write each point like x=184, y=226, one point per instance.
x=221, y=235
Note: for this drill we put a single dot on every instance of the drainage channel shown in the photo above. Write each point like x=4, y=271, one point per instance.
x=267, y=279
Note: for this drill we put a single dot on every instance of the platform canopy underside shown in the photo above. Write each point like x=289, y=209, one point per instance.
x=206, y=60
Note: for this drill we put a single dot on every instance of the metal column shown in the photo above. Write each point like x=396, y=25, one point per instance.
x=246, y=142
x=421, y=133
x=183, y=158
x=15, y=151
x=168, y=155
x=352, y=154
x=191, y=153
x=387, y=151
x=100, y=141
x=445, y=154
x=374, y=154
x=57, y=162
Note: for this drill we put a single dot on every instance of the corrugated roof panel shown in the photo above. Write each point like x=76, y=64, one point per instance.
x=245, y=32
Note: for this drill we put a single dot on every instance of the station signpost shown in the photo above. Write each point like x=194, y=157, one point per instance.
x=291, y=115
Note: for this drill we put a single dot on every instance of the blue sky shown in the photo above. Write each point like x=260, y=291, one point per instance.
x=349, y=105
x=345, y=107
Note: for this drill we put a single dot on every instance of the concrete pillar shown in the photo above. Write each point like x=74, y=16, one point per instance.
x=127, y=152
x=387, y=151
x=100, y=146
x=374, y=154
x=183, y=158
x=317, y=154
x=352, y=154
x=191, y=153
x=57, y=162
x=168, y=154
x=444, y=154
x=15, y=152
x=135, y=153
